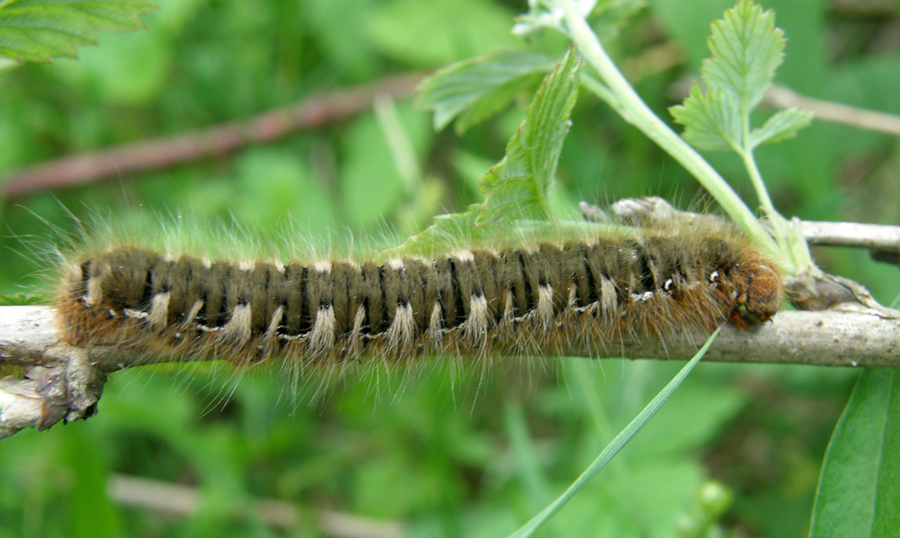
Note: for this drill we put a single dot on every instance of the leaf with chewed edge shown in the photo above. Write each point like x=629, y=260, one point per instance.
x=38, y=30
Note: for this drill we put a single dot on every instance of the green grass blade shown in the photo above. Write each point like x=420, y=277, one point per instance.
x=615, y=445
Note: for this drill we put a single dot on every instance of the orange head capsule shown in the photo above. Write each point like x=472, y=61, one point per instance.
x=761, y=293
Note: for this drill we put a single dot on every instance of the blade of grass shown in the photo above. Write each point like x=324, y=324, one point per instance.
x=615, y=445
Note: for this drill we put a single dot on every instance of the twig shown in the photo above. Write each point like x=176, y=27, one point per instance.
x=651, y=61
x=653, y=211
x=65, y=383
x=875, y=237
x=178, y=500
x=334, y=106
x=220, y=139
x=62, y=382
x=225, y=138
x=812, y=289
x=869, y=8
x=781, y=97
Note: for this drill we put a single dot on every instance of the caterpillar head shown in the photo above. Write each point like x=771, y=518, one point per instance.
x=761, y=292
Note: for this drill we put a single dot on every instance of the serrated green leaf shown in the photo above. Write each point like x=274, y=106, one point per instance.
x=38, y=30
x=711, y=120
x=478, y=88
x=746, y=49
x=516, y=189
x=518, y=186
x=859, y=489
x=782, y=125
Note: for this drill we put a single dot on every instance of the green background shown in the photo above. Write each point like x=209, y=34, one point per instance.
x=448, y=451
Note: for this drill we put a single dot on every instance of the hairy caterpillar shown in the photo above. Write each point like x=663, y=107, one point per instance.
x=544, y=297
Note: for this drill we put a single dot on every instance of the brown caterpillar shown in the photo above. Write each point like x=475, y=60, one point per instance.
x=545, y=298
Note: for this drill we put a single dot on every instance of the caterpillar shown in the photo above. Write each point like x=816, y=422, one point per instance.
x=539, y=298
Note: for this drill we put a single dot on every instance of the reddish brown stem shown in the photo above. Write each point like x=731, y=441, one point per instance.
x=221, y=139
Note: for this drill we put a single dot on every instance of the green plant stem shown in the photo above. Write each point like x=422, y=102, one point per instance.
x=791, y=242
x=762, y=194
x=746, y=153
x=626, y=101
x=765, y=201
x=600, y=90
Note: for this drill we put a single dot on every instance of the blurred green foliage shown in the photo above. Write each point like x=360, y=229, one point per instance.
x=450, y=453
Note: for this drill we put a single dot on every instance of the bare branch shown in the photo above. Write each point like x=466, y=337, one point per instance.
x=220, y=139
x=852, y=234
x=178, y=500
x=64, y=383
x=61, y=382
x=653, y=210
x=330, y=107
x=813, y=289
x=781, y=97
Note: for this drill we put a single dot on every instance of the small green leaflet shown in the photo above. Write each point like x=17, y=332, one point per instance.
x=746, y=48
x=516, y=188
x=784, y=124
x=476, y=89
x=859, y=490
x=38, y=30
x=710, y=120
